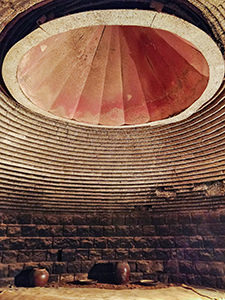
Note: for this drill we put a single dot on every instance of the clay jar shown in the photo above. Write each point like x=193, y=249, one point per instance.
x=122, y=272
x=40, y=277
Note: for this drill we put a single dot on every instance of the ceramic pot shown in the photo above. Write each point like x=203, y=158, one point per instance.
x=40, y=277
x=122, y=273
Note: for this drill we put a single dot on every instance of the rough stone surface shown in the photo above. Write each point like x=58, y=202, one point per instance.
x=181, y=256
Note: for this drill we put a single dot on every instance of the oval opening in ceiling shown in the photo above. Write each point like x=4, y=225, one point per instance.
x=116, y=73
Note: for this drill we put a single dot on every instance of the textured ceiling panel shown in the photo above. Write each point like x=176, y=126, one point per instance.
x=48, y=164
x=113, y=75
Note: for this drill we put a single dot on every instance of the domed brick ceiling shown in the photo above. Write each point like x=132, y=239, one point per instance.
x=114, y=75
x=51, y=163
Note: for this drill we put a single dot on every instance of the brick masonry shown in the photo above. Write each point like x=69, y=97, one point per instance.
x=180, y=248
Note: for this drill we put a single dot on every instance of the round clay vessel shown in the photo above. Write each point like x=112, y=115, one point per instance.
x=40, y=277
x=122, y=273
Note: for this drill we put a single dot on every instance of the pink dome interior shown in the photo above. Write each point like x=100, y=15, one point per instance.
x=114, y=75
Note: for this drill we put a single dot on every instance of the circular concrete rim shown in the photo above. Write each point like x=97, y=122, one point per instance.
x=152, y=19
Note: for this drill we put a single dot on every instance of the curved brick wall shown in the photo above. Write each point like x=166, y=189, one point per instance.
x=172, y=170
x=56, y=165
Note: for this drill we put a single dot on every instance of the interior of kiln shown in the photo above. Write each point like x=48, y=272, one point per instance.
x=156, y=199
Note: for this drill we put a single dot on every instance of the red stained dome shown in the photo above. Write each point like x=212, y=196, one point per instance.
x=114, y=75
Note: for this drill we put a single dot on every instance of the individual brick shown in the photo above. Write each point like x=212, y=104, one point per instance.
x=70, y=230
x=206, y=254
x=186, y=267
x=68, y=255
x=118, y=219
x=49, y=230
x=53, y=219
x=83, y=231
x=191, y=254
x=182, y=242
x=92, y=219
x=144, y=266
x=9, y=218
x=79, y=219
x=11, y=243
x=121, y=254
x=38, y=243
x=96, y=231
x=217, y=254
x=136, y=230
x=39, y=255
x=167, y=242
x=66, y=243
x=3, y=230
x=123, y=230
x=176, y=230
x=108, y=254
x=135, y=254
x=196, y=242
x=100, y=243
x=136, y=276
x=74, y=267
x=52, y=254
x=66, y=219
x=9, y=257
x=158, y=219
x=24, y=256
x=109, y=230
x=149, y=230
x=131, y=219
x=105, y=219
x=29, y=230
x=190, y=230
x=59, y=267
x=13, y=230
x=82, y=254
x=162, y=230
x=40, y=219
x=209, y=242
x=202, y=267
x=113, y=243
x=126, y=243
x=86, y=243
x=53, y=278
x=171, y=266
x=162, y=254
x=140, y=242
x=24, y=218
x=95, y=255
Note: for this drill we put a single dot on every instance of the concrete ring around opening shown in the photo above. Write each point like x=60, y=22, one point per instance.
x=138, y=18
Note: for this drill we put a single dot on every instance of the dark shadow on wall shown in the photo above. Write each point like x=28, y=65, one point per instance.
x=103, y=273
